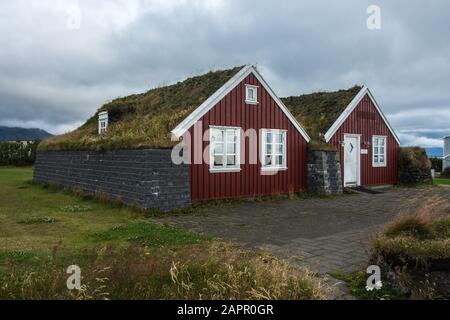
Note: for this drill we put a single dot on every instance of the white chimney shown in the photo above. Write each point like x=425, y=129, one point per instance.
x=102, y=122
x=446, y=162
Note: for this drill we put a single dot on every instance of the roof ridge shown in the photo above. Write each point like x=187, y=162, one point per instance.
x=327, y=92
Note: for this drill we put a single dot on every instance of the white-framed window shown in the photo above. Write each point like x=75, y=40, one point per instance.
x=379, y=145
x=103, y=126
x=273, y=149
x=251, y=94
x=102, y=122
x=224, y=149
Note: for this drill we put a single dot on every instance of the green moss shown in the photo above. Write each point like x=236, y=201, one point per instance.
x=143, y=120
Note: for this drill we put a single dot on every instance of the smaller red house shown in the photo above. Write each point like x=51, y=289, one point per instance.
x=353, y=122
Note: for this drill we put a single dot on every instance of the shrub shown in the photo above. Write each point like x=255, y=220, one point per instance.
x=18, y=153
x=414, y=167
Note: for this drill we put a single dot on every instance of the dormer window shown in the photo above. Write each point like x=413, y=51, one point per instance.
x=102, y=122
x=251, y=94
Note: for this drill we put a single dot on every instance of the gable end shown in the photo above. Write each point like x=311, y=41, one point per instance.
x=198, y=113
x=351, y=107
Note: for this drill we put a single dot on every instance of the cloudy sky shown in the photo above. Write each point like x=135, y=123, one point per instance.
x=61, y=60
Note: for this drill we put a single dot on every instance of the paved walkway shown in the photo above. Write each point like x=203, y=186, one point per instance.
x=328, y=235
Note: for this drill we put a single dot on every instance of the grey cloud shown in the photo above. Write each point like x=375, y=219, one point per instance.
x=56, y=78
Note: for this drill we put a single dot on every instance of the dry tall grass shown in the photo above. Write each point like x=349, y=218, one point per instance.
x=215, y=271
x=416, y=247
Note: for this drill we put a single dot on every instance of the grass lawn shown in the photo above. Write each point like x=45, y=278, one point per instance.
x=122, y=254
x=440, y=181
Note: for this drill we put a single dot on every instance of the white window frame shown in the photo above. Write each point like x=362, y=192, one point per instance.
x=225, y=168
x=379, y=164
x=263, y=139
x=102, y=122
x=248, y=88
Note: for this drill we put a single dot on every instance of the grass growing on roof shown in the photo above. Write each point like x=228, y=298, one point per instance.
x=143, y=120
x=316, y=112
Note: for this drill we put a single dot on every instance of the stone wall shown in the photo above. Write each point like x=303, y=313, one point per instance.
x=141, y=178
x=324, y=172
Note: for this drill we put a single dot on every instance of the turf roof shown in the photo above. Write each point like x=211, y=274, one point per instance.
x=143, y=120
x=317, y=111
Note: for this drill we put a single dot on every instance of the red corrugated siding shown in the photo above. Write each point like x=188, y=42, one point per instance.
x=232, y=111
x=366, y=121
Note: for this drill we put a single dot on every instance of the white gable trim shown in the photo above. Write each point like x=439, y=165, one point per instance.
x=353, y=104
x=198, y=113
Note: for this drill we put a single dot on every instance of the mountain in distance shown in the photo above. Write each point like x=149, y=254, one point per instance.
x=435, y=152
x=22, y=134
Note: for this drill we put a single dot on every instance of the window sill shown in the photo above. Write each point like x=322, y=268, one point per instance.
x=252, y=102
x=274, y=169
x=379, y=165
x=229, y=170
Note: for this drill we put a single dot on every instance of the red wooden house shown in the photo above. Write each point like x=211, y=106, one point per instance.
x=354, y=123
x=241, y=141
x=256, y=146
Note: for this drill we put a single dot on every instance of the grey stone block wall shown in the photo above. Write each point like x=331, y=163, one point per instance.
x=324, y=172
x=141, y=178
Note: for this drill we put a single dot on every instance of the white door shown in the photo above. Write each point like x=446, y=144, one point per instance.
x=351, y=160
